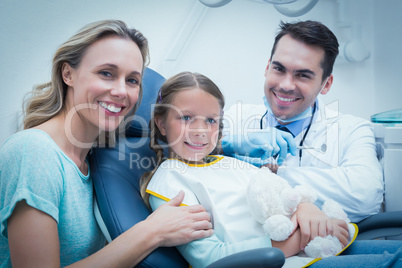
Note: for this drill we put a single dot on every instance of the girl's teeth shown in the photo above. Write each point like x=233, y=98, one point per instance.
x=110, y=107
x=194, y=144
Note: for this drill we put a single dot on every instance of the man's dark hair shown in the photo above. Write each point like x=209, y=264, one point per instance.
x=312, y=33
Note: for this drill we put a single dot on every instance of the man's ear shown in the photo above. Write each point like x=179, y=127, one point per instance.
x=327, y=85
x=160, y=124
x=66, y=73
x=266, y=69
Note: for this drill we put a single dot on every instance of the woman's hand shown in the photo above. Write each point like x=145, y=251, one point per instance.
x=313, y=222
x=177, y=224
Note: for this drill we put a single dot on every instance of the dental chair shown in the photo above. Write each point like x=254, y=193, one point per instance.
x=118, y=204
x=385, y=225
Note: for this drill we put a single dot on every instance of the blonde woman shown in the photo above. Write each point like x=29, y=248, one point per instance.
x=46, y=193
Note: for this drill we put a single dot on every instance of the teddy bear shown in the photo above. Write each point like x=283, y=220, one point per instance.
x=272, y=202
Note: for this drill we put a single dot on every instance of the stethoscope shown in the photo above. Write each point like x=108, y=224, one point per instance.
x=300, y=147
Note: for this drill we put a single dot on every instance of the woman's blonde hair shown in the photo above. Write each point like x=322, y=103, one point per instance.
x=175, y=84
x=47, y=100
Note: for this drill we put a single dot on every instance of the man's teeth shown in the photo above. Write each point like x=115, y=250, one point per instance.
x=284, y=99
x=110, y=107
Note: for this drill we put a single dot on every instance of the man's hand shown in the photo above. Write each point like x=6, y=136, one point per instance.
x=313, y=222
x=260, y=143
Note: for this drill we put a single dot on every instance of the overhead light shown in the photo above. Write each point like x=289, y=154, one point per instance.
x=290, y=11
x=279, y=2
x=215, y=3
x=279, y=5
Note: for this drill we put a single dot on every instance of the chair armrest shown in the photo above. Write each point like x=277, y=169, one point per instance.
x=256, y=258
x=380, y=225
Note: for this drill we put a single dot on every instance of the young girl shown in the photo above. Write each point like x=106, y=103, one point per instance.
x=187, y=120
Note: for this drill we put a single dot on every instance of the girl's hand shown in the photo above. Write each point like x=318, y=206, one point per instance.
x=177, y=225
x=290, y=246
x=313, y=222
x=341, y=231
x=273, y=167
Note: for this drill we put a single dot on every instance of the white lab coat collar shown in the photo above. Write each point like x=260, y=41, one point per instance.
x=326, y=111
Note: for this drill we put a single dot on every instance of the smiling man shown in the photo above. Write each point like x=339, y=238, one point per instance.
x=294, y=78
x=332, y=153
